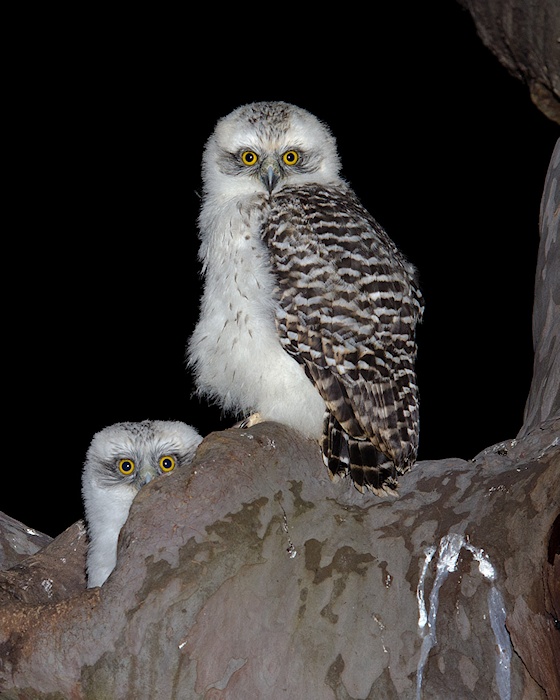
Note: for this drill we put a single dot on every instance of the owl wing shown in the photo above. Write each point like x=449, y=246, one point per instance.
x=348, y=305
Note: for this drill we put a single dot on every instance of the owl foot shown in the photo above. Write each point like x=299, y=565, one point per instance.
x=250, y=421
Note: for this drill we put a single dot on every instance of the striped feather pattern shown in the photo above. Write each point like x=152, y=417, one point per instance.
x=348, y=305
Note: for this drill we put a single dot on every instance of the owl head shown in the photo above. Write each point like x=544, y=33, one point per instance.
x=120, y=460
x=261, y=147
x=132, y=454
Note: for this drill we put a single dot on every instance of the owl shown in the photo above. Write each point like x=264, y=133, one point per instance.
x=120, y=460
x=309, y=310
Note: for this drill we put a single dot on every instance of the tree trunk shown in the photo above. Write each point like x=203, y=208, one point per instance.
x=253, y=576
x=524, y=36
x=544, y=395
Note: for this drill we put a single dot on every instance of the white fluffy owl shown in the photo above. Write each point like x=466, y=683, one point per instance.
x=309, y=310
x=120, y=460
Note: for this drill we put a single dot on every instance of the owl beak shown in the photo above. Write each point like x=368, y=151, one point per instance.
x=146, y=478
x=270, y=174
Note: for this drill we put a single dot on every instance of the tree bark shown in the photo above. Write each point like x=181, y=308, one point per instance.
x=18, y=542
x=544, y=396
x=524, y=37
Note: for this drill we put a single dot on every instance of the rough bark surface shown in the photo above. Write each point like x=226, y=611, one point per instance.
x=52, y=574
x=18, y=542
x=523, y=35
x=544, y=395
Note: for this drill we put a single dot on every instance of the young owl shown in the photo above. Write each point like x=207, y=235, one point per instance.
x=309, y=310
x=120, y=460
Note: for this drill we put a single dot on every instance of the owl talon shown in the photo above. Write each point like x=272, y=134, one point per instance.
x=250, y=421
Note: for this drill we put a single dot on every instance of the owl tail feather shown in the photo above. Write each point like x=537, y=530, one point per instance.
x=368, y=468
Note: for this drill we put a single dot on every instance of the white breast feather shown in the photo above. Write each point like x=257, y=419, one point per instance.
x=235, y=350
x=107, y=511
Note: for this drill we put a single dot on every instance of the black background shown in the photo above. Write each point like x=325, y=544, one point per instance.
x=101, y=284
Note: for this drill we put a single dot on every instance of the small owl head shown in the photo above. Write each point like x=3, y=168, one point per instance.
x=119, y=461
x=261, y=147
x=132, y=454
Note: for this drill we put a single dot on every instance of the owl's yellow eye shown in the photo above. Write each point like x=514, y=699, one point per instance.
x=249, y=157
x=290, y=157
x=167, y=463
x=126, y=467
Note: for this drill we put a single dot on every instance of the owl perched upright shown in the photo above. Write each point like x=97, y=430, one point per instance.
x=121, y=459
x=309, y=310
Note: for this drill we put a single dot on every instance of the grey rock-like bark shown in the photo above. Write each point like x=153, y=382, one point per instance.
x=52, y=574
x=18, y=541
x=544, y=396
x=524, y=35
x=251, y=575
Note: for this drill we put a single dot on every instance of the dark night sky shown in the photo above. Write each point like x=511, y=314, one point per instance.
x=442, y=145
